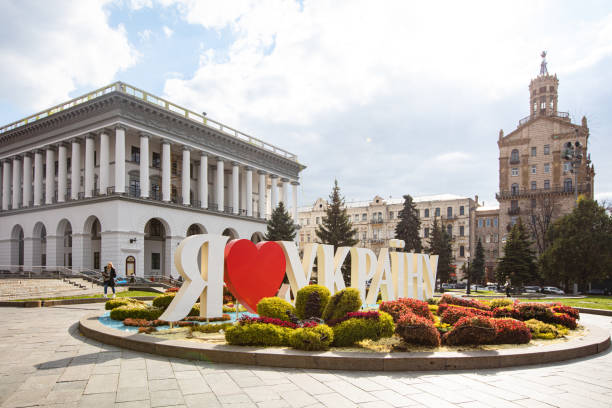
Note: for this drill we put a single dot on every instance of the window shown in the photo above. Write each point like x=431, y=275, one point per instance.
x=437, y=212
x=515, y=171
x=567, y=166
x=462, y=210
x=317, y=220
x=488, y=221
x=96, y=260
x=426, y=213
x=488, y=239
x=546, y=167
x=449, y=230
x=461, y=230
x=308, y=238
x=462, y=251
x=307, y=221
x=134, y=187
x=390, y=215
x=69, y=164
x=56, y=167
x=135, y=154
x=546, y=149
x=534, y=185
x=380, y=217
x=514, y=204
x=356, y=217
x=364, y=236
x=534, y=152
x=480, y=223
x=546, y=184
x=495, y=222
x=514, y=189
x=567, y=185
x=175, y=167
x=514, y=156
x=533, y=203
x=364, y=217
x=155, y=191
x=534, y=169
x=95, y=157
x=155, y=260
x=426, y=233
x=513, y=220
x=156, y=160
x=449, y=212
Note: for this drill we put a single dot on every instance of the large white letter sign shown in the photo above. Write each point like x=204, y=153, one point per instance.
x=363, y=266
x=382, y=279
x=204, y=281
x=298, y=272
x=430, y=266
x=329, y=267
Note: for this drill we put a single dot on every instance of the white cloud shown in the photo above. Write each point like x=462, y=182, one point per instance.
x=145, y=35
x=139, y=4
x=167, y=31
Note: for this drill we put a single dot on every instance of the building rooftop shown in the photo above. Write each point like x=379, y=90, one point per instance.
x=394, y=200
x=488, y=208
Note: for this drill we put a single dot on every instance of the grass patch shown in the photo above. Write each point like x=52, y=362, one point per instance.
x=590, y=302
x=129, y=293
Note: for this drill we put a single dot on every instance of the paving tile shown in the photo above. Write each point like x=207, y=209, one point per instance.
x=351, y=392
x=126, y=394
x=102, y=383
x=166, y=397
x=335, y=400
x=165, y=384
x=102, y=400
x=208, y=400
x=393, y=398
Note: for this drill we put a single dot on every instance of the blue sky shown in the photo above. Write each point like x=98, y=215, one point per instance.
x=389, y=97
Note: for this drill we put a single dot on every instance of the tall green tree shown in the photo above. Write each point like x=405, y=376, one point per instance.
x=440, y=244
x=518, y=263
x=336, y=228
x=409, y=225
x=581, y=245
x=477, y=266
x=280, y=225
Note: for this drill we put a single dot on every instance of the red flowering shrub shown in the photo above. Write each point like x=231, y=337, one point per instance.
x=223, y=318
x=394, y=308
x=172, y=290
x=418, y=307
x=505, y=311
x=146, y=330
x=136, y=322
x=451, y=314
x=564, y=319
x=471, y=330
x=539, y=311
x=418, y=330
x=453, y=300
x=511, y=331
x=568, y=310
x=372, y=314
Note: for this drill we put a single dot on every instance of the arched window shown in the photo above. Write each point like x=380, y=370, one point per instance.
x=449, y=230
x=462, y=251
x=567, y=185
x=514, y=156
x=515, y=189
x=449, y=212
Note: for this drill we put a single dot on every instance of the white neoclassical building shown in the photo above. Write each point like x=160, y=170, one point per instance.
x=121, y=175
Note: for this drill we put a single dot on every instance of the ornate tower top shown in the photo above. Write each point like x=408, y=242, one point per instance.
x=543, y=92
x=543, y=68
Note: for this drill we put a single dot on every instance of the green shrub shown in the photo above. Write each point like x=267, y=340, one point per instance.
x=136, y=311
x=345, y=301
x=501, y=302
x=312, y=338
x=232, y=309
x=113, y=303
x=432, y=301
x=277, y=308
x=541, y=330
x=163, y=301
x=354, y=330
x=311, y=300
x=211, y=328
x=195, y=310
x=258, y=334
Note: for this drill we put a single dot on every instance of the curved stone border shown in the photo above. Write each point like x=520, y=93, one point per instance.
x=61, y=302
x=596, y=341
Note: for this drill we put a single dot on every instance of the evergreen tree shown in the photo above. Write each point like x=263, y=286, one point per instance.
x=440, y=244
x=518, y=263
x=581, y=245
x=280, y=225
x=408, y=227
x=477, y=266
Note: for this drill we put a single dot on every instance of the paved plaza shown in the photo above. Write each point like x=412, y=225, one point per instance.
x=44, y=361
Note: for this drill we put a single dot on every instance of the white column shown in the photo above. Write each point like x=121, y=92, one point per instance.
x=27, y=179
x=62, y=173
x=249, y=191
x=16, y=182
x=203, y=180
x=285, y=198
x=186, y=176
x=89, y=165
x=50, y=176
x=166, y=170
x=294, y=209
x=119, y=159
x=274, y=190
x=6, y=184
x=262, y=194
x=144, y=165
x=235, y=188
x=243, y=192
x=104, y=159
x=220, y=183
x=38, y=178
x=75, y=170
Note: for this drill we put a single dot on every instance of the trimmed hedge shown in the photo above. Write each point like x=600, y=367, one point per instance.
x=354, y=330
x=541, y=330
x=258, y=334
x=342, y=302
x=395, y=309
x=568, y=310
x=163, y=301
x=501, y=302
x=418, y=307
x=312, y=338
x=471, y=331
x=564, y=320
x=417, y=330
x=231, y=308
x=539, y=311
x=136, y=311
x=211, y=328
x=277, y=308
x=311, y=300
x=114, y=303
x=450, y=314
x=511, y=331
x=453, y=300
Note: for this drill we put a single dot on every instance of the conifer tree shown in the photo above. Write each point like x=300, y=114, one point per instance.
x=280, y=225
x=440, y=244
x=477, y=266
x=408, y=227
x=518, y=263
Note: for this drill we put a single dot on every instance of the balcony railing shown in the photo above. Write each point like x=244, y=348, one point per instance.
x=562, y=115
x=582, y=188
x=376, y=221
x=514, y=210
x=159, y=103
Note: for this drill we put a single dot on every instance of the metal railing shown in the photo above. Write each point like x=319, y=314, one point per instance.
x=582, y=188
x=514, y=210
x=158, y=102
x=562, y=115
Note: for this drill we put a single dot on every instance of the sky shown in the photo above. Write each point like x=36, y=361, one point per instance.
x=388, y=97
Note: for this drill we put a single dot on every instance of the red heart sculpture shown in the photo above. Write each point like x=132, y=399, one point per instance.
x=253, y=272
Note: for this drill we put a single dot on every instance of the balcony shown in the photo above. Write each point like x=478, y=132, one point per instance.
x=376, y=221
x=515, y=161
x=516, y=193
x=514, y=210
x=561, y=115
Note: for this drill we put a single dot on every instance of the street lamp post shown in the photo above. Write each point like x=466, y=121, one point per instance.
x=573, y=155
x=469, y=283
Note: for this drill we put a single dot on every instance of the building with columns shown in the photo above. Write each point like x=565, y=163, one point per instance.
x=121, y=175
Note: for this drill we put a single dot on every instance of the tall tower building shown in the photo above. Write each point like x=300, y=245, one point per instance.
x=537, y=183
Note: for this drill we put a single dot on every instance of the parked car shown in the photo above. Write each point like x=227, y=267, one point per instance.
x=532, y=289
x=552, y=290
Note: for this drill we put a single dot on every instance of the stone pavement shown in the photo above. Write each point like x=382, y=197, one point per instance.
x=44, y=361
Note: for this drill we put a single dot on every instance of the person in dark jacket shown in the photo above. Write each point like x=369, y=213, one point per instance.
x=109, y=275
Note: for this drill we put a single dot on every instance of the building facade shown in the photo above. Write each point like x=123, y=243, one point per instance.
x=486, y=229
x=536, y=182
x=121, y=175
x=375, y=221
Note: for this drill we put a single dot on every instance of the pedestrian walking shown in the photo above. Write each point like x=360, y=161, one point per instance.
x=109, y=275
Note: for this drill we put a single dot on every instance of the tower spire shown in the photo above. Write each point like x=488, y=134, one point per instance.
x=543, y=68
